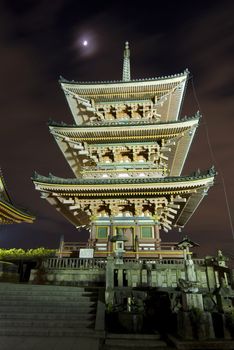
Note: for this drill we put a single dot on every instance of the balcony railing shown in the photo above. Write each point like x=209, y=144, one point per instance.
x=68, y=248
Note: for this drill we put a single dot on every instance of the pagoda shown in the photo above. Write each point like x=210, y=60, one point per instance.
x=127, y=148
x=9, y=213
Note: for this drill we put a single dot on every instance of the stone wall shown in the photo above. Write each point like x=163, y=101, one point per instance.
x=69, y=277
x=8, y=272
x=154, y=275
x=163, y=274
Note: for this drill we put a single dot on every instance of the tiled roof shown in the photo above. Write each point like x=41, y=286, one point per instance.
x=63, y=80
x=80, y=181
x=121, y=123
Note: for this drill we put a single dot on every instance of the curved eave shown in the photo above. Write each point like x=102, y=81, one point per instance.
x=187, y=191
x=3, y=191
x=110, y=133
x=117, y=83
x=89, y=186
x=182, y=132
x=11, y=214
x=137, y=90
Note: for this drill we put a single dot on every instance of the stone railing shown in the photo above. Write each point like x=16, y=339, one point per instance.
x=162, y=261
x=74, y=263
x=99, y=263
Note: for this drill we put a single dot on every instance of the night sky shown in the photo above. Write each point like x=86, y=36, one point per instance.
x=41, y=40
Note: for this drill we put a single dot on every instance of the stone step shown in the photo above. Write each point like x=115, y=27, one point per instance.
x=49, y=302
x=27, y=286
x=134, y=343
x=46, y=289
x=48, y=316
x=38, y=310
x=69, y=332
x=133, y=336
x=137, y=341
x=46, y=292
x=39, y=288
x=47, y=309
x=51, y=298
x=158, y=346
x=45, y=323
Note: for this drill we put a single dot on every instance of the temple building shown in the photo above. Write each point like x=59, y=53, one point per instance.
x=127, y=148
x=9, y=213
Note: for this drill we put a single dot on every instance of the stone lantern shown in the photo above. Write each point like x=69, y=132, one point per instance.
x=119, y=240
x=185, y=244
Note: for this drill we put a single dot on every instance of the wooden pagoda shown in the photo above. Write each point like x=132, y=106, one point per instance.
x=127, y=149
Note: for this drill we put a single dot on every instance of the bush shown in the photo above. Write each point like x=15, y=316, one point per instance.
x=16, y=254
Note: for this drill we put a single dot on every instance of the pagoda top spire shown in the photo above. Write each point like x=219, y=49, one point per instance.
x=126, y=63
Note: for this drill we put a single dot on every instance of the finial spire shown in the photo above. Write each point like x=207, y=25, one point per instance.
x=126, y=63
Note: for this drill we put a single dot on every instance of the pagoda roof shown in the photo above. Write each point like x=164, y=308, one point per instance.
x=116, y=123
x=186, y=242
x=196, y=179
x=187, y=190
x=9, y=213
x=63, y=80
x=85, y=98
x=3, y=190
x=181, y=132
x=99, y=131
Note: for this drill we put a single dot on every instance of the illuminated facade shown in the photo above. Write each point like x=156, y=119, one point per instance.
x=127, y=148
x=9, y=213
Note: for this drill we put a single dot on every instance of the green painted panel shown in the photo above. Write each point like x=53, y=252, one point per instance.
x=102, y=232
x=146, y=232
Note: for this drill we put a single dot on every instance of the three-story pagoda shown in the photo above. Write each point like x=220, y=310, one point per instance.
x=127, y=150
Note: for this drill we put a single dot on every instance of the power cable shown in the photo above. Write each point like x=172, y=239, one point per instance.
x=214, y=160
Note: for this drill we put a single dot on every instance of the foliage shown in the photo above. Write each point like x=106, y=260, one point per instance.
x=14, y=253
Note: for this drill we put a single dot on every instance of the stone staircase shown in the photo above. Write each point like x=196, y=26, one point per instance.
x=46, y=310
x=134, y=341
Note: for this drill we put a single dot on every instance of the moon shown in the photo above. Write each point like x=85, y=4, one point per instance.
x=85, y=43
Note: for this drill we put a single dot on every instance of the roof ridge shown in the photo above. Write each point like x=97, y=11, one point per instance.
x=62, y=80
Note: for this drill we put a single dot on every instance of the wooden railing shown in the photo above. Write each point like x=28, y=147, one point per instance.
x=67, y=248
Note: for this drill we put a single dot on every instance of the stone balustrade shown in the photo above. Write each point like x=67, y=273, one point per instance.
x=74, y=263
x=99, y=263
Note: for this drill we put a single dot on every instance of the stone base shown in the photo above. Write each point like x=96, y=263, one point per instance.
x=195, y=326
x=217, y=344
x=8, y=272
x=69, y=277
x=192, y=301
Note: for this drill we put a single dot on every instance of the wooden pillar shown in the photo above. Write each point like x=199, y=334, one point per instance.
x=92, y=237
x=157, y=236
x=137, y=237
x=61, y=247
x=109, y=243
